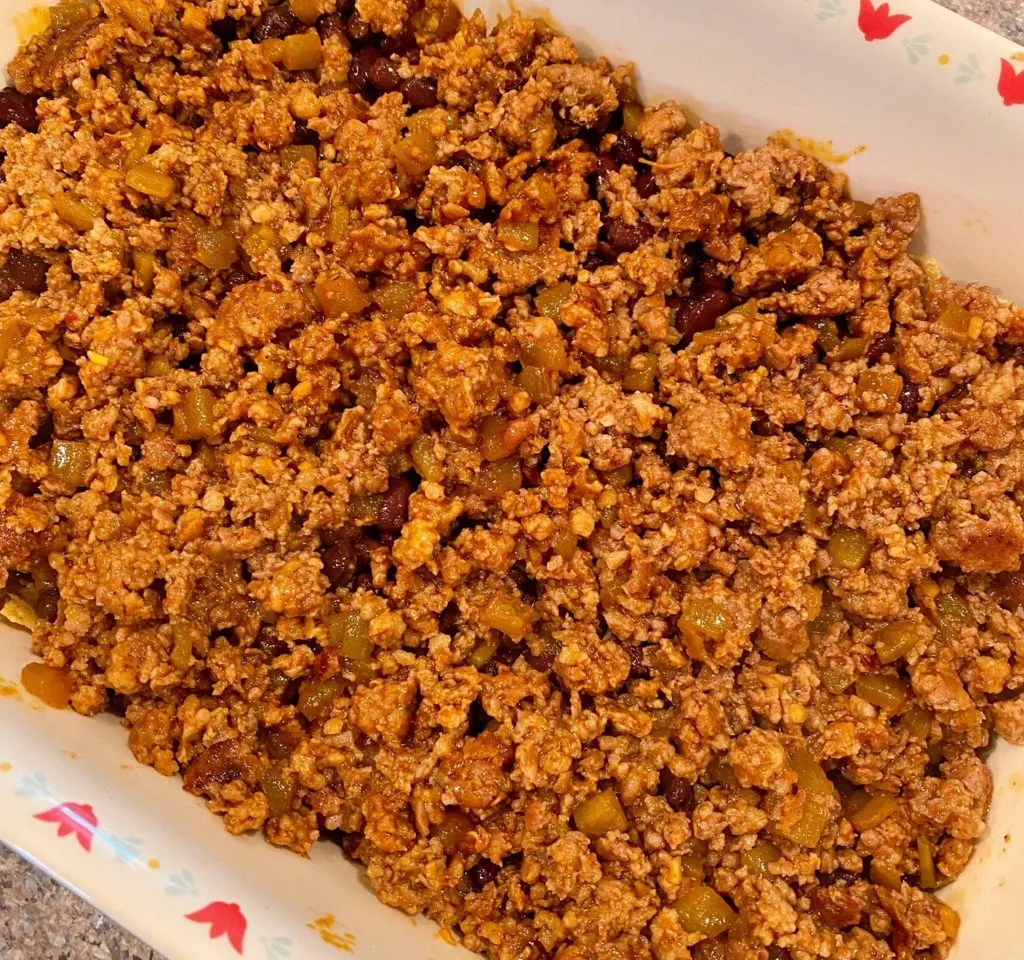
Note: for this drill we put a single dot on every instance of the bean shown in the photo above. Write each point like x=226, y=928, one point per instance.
x=678, y=793
x=225, y=30
x=626, y=237
x=27, y=271
x=350, y=843
x=879, y=347
x=605, y=165
x=400, y=43
x=910, y=397
x=602, y=255
x=507, y=654
x=268, y=642
x=384, y=75
x=46, y=604
x=306, y=135
x=637, y=665
x=234, y=278
x=333, y=25
x=394, y=510
x=18, y=108
x=566, y=130
x=482, y=873
x=710, y=277
x=542, y=661
x=627, y=150
x=275, y=24
x=359, y=70
x=358, y=29
x=340, y=563
x=699, y=312
x=420, y=92
x=329, y=536
x=646, y=185
x=364, y=547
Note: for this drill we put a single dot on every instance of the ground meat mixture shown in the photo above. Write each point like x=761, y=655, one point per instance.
x=613, y=543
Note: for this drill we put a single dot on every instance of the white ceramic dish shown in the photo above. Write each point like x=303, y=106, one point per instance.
x=936, y=102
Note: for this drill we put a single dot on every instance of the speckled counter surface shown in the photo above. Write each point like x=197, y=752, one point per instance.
x=40, y=920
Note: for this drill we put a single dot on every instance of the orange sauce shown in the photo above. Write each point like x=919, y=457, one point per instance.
x=31, y=23
x=823, y=150
x=325, y=927
x=49, y=684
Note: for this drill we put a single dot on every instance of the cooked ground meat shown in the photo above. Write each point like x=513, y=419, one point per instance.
x=613, y=542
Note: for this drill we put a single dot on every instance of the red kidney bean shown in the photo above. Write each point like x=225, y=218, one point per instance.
x=482, y=873
x=225, y=30
x=270, y=643
x=879, y=347
x=340, y=563
x=18, y=108
x=358, y=29
x=605, y=165
x=910, y=397
x=676, y=791
x=306, y=135
x=400, y=43
x=27, y=271
x=276, y=24
x=627, y=150
x=350, y=844
x=46, y=604
x=625, y=237
x=602, y=255
x=364, y=547
x=709, y=276
x=235, y=278
x=542, y=662
x=699, y=312
x=332, y=25
x=359, y=70
x=566, y=130
x=420, y=92
x=646, y=185
x=637, y=666
x=394, y=510
x=384, y=75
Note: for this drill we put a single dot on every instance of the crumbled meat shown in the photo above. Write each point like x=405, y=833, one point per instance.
x=413, y=437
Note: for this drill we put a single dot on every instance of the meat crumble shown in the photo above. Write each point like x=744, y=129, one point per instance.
x=613, y=543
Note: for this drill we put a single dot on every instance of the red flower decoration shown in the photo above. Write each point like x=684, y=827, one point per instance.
x=876, y=23
x=223, y=918
x=1011, y=84
x=76, y=818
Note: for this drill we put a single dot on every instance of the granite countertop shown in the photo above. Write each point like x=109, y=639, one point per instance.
x=40, y=920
